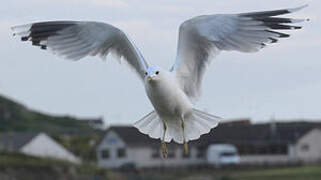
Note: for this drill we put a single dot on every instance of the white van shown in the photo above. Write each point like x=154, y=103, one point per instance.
x=222, y=154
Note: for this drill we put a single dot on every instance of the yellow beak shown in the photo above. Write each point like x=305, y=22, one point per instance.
x=149, y=79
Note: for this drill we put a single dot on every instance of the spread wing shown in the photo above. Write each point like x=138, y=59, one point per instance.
x=202, y=37
x=76, y=39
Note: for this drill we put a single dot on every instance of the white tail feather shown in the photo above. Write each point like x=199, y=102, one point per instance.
x=196, y=125
x=152, y=125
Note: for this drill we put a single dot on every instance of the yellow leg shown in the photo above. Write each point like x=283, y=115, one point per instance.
x=185, y=143
x=163, y=144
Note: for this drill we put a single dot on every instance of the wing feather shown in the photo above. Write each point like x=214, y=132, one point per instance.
x=76, y=39
x=203, y=37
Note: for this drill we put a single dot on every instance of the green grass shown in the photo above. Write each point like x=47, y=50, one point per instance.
x=308, y=172
x=294, y=173
x=16, y=161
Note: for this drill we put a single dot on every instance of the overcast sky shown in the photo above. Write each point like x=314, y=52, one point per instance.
x=281, y=81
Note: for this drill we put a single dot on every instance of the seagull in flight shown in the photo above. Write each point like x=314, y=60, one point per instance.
x=174, y=92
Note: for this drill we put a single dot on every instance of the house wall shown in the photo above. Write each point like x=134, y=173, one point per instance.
x=308, y=147
x=139, y=155
x=44, y=146
x=289, y=157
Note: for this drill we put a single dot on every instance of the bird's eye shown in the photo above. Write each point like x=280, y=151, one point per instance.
x=157, y=72
x=146, y=73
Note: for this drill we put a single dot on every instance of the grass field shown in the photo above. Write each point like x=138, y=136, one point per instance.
x=17, y=165
x=295, y=173
x=310, y=172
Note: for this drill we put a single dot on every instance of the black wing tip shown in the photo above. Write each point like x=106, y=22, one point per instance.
x=280, y=35
x=24, y=38
x=36, y=43
x=282, y=27
x=273, y=40
x=39, y=32
x=42, y=30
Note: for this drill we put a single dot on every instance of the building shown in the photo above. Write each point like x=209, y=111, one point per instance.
x=308, y=147
x=123, y=145
x=269, y=143
x=36, y=144
x=264, y=143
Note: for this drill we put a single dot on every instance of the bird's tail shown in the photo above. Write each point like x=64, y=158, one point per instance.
x=195, y=125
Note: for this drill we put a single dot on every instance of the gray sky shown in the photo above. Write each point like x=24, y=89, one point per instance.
x=281, y=81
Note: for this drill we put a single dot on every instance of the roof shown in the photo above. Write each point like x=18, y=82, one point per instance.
x=256, y=134
x=231, y=133
x=131, y=136
x=13, y=142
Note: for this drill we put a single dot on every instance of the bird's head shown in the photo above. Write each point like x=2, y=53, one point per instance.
x=152, y=74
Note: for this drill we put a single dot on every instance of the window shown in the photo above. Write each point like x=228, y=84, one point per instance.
x=105, y=154
x=228, y=154
x=305, y=147
x=121, y=153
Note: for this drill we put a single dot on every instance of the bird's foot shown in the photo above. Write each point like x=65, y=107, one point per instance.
x=164, y=149
x=185, y=148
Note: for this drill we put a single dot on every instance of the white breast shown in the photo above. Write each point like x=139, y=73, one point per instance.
x=169, y=101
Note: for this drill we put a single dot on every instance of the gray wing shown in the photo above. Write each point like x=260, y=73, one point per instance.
x=203, y=37
x=76, y=39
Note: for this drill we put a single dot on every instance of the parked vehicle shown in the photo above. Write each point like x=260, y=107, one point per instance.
x=222, y=154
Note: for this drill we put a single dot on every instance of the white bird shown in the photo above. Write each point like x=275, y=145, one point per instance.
x=174, y=92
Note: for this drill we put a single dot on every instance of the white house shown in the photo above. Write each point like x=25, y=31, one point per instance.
x=123, y=145
x=308, y=147
x=276, y=143
x=36, y=144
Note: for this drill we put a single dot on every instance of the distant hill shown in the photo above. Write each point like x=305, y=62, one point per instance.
x=16, y=117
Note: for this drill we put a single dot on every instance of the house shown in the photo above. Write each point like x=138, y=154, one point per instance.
x=266, y=143
x=126, y=145
x=308, y=147
x=263, y=143
x=36, y=144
